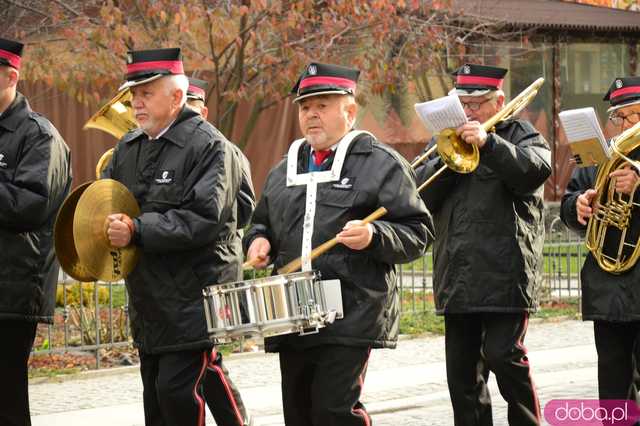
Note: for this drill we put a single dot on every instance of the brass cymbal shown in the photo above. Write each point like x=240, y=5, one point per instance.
x=63, y=238
x=99, y=200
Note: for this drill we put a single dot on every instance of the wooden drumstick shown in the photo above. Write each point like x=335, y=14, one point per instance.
x=251, y=263
x=296, y=264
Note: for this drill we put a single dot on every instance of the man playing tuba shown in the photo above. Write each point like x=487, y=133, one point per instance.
x=612, y=301
x=487, y=253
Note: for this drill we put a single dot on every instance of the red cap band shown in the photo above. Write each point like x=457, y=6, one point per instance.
x=485, y=81
x=625, y=91
x=175, y=67
x=196, y=90
x=12, y=58
x=328, y=81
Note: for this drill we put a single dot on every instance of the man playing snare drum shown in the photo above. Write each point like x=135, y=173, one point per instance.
x=323, y=373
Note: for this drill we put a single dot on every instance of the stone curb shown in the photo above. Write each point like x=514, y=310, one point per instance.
x=112, y=371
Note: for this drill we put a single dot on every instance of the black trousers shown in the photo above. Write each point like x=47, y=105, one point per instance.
x=321, y=386
x=477, y=344
x=618, y=346
x=177, y=384
x=17, y=339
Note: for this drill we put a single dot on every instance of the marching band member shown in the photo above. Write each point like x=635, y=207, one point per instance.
x=487, y=254
x=185, y=177
x=35, y=178
x=323, y=374
x=245, y=203
x=611, y=301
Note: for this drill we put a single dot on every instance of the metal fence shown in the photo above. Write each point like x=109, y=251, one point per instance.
x=95, y=316
x=88, y=317
x=563, y=255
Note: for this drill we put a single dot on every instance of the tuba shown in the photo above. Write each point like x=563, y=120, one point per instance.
x=613, y=237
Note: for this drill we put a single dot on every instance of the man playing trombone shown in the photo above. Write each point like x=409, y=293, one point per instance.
x=487, y=253
x=611, y=300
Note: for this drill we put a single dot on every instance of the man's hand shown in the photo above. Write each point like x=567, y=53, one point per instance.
x=472, y=133
x=258, y=253
x=356, y=235
x=583, y=205
x=625, y=180
x=120, y=229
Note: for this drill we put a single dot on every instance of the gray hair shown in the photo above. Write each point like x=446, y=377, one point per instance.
x=177, y=81
x=494, y=94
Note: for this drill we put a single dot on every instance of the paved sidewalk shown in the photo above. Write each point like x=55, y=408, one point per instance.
x=406, y=386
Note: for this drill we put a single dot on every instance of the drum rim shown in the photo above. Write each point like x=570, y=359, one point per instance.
x=261, y=282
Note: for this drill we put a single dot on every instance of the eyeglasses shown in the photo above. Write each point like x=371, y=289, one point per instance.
x=631, y=118
x=474, y=106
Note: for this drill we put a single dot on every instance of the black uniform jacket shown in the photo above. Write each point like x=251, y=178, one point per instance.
x=489, y=224
x=246, y=199
x=186, y=183
x=35, y=177
x=377, y=176
x=605, y=296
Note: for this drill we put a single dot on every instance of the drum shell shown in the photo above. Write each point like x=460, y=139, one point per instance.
x=268, y=306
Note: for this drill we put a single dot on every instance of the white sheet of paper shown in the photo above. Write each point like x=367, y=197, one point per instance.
x=441, y=113
x=582, y=124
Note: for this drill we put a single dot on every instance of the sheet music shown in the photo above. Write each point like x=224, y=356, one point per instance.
x=441, y=113
x=585, y=136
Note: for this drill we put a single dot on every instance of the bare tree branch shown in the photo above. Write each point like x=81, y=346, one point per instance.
x=29, y=8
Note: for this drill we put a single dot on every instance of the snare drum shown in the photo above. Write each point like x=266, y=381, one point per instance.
x=280, y=304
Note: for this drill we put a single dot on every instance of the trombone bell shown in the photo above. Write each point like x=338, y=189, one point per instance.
x=458, y=155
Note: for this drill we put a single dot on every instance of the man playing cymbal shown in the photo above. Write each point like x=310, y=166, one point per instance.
x=185, y=177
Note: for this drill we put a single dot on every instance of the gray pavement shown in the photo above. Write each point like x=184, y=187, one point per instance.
x=406, y=386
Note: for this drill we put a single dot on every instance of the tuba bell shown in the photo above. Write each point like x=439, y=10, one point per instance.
x=613, y=236
x=116, y=118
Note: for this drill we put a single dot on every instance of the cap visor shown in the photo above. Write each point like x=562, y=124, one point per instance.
x=195, y=97
x=617, y=107
x=463, y=92
x=326, y=92
x=128, y=84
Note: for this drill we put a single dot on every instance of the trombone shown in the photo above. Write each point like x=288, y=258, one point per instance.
x=462, y=157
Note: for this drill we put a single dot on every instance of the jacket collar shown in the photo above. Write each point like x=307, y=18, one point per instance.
x=362, y=144
x=175, y=134
x=18, y=110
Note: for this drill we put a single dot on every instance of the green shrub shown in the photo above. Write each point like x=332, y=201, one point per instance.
x=88, y=294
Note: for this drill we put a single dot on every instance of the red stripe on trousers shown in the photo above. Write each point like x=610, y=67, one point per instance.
x=521, y=346
x=196, y=396
x=220, y=373
x=360, y=411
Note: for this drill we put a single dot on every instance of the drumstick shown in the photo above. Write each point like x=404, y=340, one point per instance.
x=296, y=264
x=251, y=263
